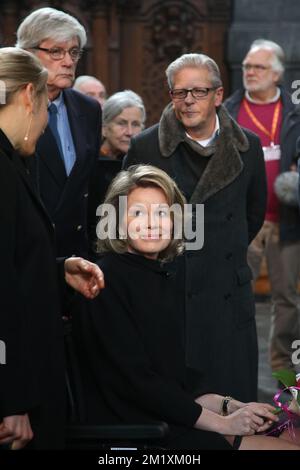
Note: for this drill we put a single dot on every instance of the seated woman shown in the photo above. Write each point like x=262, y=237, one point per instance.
x=131, y=338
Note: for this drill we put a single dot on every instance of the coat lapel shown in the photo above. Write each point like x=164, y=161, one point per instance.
x=25, y=175
x=224, y=167
x=225, y=163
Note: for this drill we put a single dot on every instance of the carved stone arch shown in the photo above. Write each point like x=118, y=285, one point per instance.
x=171, y=28
x=199, y=8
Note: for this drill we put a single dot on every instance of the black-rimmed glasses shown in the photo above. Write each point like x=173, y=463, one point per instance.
x=58, y=53
x=198, y=93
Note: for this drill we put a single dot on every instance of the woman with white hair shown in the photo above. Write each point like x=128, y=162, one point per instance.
x=123, y=117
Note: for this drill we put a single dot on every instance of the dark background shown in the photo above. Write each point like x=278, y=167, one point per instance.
x=131, y=42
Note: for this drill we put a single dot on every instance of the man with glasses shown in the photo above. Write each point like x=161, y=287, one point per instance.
x=264, y=107
x=70, y=145
x=218, y=164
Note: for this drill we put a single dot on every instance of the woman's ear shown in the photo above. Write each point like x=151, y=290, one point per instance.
x=28, y=97
x=103, y=131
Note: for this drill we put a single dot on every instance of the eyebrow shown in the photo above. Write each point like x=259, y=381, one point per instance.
x=138, y=204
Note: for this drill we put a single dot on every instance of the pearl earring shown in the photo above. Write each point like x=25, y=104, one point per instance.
x=28, y=129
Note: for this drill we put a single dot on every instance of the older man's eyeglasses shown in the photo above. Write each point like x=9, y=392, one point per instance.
x=198, y=93
x=58, y=53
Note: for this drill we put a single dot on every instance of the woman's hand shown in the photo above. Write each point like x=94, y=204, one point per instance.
x=17, y=430
x=84, y=276
x=249, y=419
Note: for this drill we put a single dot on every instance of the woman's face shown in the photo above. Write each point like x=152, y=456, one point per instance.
x=39, y=120
x=119, y=131
x=149, y=224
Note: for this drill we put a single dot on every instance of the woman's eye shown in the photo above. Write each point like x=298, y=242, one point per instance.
x=137, y=213
x=163, y=213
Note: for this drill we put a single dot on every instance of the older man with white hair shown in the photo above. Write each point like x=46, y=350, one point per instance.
x=266, y=108
x=70, y=145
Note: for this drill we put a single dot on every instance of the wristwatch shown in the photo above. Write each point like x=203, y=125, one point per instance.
x=224, y=406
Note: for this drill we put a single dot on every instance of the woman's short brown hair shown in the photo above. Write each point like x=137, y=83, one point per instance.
x=144, y=176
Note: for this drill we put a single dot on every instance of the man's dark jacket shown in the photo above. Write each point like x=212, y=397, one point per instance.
x=65, y=197
x=290, y=131
x=220, y=336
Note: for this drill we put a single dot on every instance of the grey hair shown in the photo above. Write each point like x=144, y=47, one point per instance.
x=194, y=60
x=143, y=176
x=117, y=102
x=278, y=59
x=48, y=23
x=83, y=79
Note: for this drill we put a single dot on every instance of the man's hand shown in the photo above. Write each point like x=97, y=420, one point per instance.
x=84, y=276
x=17, y=430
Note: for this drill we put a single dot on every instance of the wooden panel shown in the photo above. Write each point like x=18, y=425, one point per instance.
x=131, y=42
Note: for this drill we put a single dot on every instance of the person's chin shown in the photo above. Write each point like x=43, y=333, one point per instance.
x=190, y=121
x=252, y=86
x=123, y=149
x=65, y=82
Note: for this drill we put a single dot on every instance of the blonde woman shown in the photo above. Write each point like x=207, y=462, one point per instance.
x=32, y=403
x=131, y=339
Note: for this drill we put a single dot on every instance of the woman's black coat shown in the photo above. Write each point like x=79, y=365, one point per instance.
x=32, y=380
x=130, y=341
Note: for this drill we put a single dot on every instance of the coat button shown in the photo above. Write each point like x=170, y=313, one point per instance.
x=227, y=296
x=86, y=195
x=229, y=216
x=228, y=256
x=53, y=225
x=78, y=228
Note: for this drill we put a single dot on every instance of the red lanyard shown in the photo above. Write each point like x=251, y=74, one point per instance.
x=260, y=126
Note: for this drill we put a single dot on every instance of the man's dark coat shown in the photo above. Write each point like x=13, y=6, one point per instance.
x=221, y=336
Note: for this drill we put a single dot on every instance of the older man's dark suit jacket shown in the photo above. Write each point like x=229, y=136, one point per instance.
x=66, y=197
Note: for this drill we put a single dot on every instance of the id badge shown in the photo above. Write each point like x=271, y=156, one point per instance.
x=272, y=153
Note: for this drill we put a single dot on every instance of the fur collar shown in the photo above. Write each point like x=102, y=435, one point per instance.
x=225, y=164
